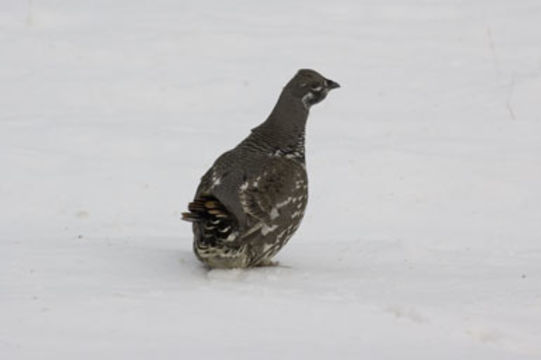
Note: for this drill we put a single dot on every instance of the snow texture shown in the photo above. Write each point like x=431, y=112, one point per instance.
x=422, y=237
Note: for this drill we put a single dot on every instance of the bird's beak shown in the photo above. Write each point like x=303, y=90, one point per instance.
x=332, y=84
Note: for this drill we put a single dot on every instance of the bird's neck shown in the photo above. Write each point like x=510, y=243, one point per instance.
x=285, y=126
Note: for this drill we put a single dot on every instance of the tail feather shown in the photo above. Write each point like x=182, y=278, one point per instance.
x=215, y=221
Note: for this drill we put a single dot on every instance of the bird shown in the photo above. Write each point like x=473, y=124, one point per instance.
x=252, y=199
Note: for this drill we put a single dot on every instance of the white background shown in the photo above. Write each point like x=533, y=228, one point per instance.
x=422, y=238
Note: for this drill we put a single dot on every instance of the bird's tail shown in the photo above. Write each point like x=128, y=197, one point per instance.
x=215, y=222
x=205, y=207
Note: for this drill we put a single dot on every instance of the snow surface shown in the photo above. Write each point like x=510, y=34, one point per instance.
x=422, y=238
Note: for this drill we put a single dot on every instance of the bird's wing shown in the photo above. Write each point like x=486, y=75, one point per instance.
x=262, y=195
x=251, y=193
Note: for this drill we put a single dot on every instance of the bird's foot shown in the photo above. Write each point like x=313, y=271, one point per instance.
x=268, y=262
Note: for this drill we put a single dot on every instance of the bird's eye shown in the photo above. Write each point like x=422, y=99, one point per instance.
x=316, y=87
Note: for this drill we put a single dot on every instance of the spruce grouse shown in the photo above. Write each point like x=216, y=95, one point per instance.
x=252, y=199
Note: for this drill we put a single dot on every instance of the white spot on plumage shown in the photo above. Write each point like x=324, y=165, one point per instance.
x=256, y=181
x=268, y=229
x=266, y=247
x=274, y=213
x=215, y=180
x=232, y=236
x=293, y=155
x=284, y=203
x=224, y=230
x=306, y=99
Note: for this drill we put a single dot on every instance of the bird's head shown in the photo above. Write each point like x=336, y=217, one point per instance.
x=310, y=87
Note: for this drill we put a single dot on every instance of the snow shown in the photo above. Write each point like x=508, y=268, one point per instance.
x=422, y=237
